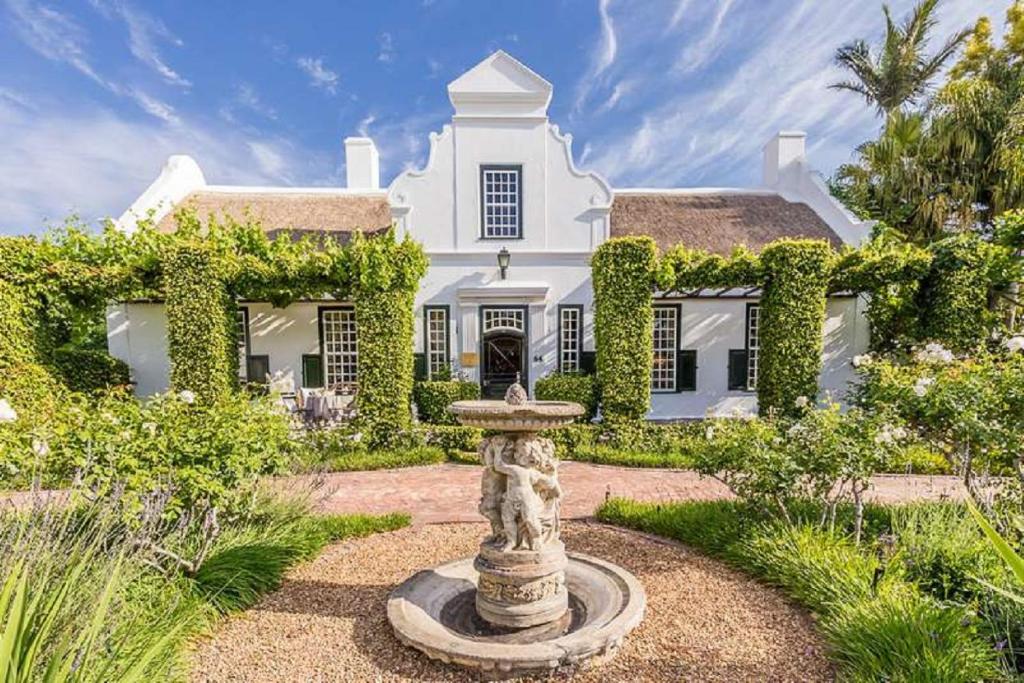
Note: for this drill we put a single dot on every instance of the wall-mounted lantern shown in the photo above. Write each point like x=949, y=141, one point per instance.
x=503, y=260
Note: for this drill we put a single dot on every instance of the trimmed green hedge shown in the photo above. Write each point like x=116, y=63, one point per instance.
x=623, y=271
x=89, y=370
x=791, y=323
x=953, y=296
x=201, y=323
x=433, y=397
x=19, y=338
x=574, y=387
x=453, y=438
x=385, y=364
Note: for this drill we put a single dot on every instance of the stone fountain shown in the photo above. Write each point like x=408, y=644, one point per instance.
x=522, y=605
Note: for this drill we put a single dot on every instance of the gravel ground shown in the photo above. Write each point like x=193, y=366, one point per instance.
x=705, y=622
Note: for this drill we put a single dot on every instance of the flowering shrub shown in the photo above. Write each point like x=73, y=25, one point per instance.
x=971, y=409
x=195, y=455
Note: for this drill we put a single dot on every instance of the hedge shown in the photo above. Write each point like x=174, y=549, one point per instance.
x=792, y=316
x=385, y=324
x=953, y=296
x=201, y=323
x=453, y=438
x=623, y=270
x=574, y=387
x=20, y=340
x=90, y=370
x=433, y=397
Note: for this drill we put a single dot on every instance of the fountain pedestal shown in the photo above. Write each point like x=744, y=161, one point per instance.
x=521, y=588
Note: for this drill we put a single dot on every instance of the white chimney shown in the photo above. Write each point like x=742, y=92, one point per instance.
x=362, y=164
x=786, y=147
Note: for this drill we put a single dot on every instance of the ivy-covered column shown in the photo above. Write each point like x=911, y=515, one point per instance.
x=386, y=276
x=623, y=270
x=201, y=323
x=953, y=296
x=792, y=317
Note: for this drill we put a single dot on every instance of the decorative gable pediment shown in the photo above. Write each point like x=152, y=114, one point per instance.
x=500, y=86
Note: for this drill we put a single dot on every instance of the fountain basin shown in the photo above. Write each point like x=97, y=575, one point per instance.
x=532, y=416
x=434, y=611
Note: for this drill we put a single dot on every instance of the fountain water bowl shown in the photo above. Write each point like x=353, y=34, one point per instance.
x=522, y=605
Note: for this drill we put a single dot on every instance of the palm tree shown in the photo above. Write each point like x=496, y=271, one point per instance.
x=901, y=72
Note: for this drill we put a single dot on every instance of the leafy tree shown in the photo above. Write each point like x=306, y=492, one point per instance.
x=900, y=73
x=958, y=161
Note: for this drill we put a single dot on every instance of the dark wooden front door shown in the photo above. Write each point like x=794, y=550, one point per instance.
x=503, y=360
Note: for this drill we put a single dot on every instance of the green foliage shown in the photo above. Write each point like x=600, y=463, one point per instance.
x=683, y=269
x=901, y=73
x=453, y=438
x=623, y=270
x=88, y=370
x=433, y=398
x=201, y=324
x=574, y=387
x=385, y=364
x=971, y=410
x=953, y=298
x=251, y=557
x=883, y=632
x=195, y=455
x=791, y=321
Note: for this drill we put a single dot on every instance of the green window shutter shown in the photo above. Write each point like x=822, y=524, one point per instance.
x=312, y=371
x=257, y=368
x=686, y=370
x=588, y=362
x=737, y=370
x=419, y=365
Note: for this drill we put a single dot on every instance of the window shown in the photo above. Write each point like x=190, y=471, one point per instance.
x=242, y=342
x=570, y=338
x=436, y=338
x=338, y=344
x=503, y=319
x=666, y=342
x=753, y=344
x=501, y=204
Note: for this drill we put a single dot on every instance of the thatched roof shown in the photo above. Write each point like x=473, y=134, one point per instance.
x=299, y=212
x=715, y=222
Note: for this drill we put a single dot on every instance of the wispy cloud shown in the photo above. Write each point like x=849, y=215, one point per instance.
x=145, y=32
x=386, y=53
x=58, y=37
x=245, y=97
x=48, y=153
x=320, y=76
x=708, y=84
x=602, y=57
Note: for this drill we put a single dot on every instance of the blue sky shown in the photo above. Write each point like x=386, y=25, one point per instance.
x=95, y=94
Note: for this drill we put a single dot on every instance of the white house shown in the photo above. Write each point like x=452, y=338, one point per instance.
x=500, y=178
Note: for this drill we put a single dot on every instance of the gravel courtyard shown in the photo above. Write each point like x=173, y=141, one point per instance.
x=705, y=621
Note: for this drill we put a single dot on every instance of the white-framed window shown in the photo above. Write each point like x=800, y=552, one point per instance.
x=340, y=344
x=570, y=338
x=666, y=344
x=504, y=319
x=501, y=203
x=242, y=341
x=753, y=344
x=436, y=318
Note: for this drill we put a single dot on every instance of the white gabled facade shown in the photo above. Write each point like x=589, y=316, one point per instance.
x=500, y=177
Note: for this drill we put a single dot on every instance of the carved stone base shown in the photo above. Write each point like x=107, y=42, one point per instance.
x=521, y=588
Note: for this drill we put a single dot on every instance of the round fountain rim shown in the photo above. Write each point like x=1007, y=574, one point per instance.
x=418, y=625
x=515, y=417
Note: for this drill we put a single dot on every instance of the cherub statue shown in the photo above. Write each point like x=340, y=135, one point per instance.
x=522, y=502
x=492, y=485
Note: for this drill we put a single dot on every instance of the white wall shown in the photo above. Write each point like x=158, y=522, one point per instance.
x=137, y=334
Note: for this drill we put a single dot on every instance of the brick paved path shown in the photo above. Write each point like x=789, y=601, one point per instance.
x=450, y=493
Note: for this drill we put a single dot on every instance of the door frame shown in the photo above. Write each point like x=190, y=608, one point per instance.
x=525, y=371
